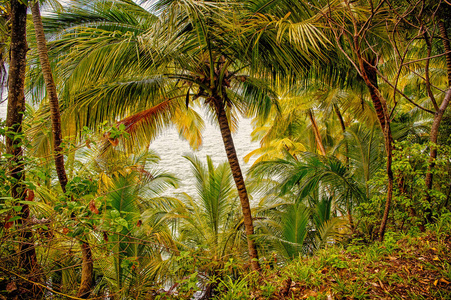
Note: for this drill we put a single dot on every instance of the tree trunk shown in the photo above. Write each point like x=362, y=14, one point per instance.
x=239, y=180
x=87, y=265
x=52, y=94
x=343, y=129
x=87, y=269
x=370, y=76
x=433, y=136
x=15, y=110
x=318, y=139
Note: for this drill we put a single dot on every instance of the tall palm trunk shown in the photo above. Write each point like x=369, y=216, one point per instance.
x=53, y=97
x=433, y=136
x=370, y=77
x=14, y=118
x=87, y=264
x=239, y=180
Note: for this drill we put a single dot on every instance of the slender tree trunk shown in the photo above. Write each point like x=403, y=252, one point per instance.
x=318, y=139
x=343, y=129
x=239, y=180
x=433, y=136
x=52, y=94
x=380, y=105
x=87, y=263
x=15, y=110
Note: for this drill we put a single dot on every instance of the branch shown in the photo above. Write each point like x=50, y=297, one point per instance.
x=427, y=79
x=401, y=93
x=41, y=285
x=425, y=58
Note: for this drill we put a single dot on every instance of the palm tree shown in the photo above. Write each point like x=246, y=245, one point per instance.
x=315, y=177
x=87, y=265
x=52, y=93
x=127, y=201
x=297, y=215
x=192, y=60
x=290, y=229
x=135, y=244
x=209, y=223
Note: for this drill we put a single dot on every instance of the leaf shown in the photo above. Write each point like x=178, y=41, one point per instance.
x=14, y=219
x=11, y=287
x=30, y=196
x=105, y=236
x=93, y=208
x=187, y=98
x=122, y=222
x=8, y=224
x=17, y=208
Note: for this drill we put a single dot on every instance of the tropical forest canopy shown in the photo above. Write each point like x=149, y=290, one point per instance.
x=349, y=101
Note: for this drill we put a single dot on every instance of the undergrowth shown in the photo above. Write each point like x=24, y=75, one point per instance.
x=404, y=266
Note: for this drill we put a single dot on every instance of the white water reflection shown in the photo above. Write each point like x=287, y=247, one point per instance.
x=171, y=149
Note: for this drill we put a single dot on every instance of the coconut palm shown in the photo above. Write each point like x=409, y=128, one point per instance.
x=314, y=178
x=52, y=93
x=127, y=235
x=308, y=117
x=289, y=229
x=164, y=71
x=87, y=265
x=209, y=224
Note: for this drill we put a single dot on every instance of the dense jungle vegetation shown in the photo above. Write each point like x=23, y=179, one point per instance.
x=349, y=196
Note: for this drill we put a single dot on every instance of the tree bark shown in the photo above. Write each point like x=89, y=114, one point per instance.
x=52, y=94
x=433, y=136
x=370, y=77
x=87, y=269
x=239, y=180
x=343, y=129
x=318, y=139
x=15, y=110
x=87, y=264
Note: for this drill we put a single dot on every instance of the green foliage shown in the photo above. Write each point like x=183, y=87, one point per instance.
x=234, y=289
x=410, y=164
x=128, y=72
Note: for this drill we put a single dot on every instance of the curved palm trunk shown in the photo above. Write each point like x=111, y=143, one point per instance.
x=318, y=139
x=53, y=97
x=433, y=136
x=87, y=264
x=380, y=105
x=239, y=180
x=15, y=110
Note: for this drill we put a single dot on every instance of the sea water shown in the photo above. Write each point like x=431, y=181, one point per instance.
x=171, y=149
